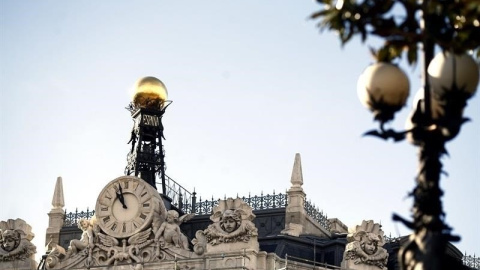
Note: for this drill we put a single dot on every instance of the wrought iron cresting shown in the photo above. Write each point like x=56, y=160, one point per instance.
x=317, y=215
x=261, y=202
x=72, y=218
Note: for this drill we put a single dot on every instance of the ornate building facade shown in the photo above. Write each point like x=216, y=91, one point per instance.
x=270, y=231
x=135, y=226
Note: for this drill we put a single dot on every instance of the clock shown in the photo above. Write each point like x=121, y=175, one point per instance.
x=128, y=205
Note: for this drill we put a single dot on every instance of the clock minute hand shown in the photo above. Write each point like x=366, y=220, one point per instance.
x=120, y=196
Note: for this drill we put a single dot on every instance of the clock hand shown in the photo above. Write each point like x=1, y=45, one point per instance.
x=120, y=196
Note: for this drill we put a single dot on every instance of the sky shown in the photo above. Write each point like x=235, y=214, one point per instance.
x=252, y=84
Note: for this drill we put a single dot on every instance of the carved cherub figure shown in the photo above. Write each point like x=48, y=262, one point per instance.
x=232, y=224
x=230, y=221
x=169, y=232
x=365, y=246
x=86, y=239
x=10, y=240
x=371, y=252
x=14, y=240
x=230, y=227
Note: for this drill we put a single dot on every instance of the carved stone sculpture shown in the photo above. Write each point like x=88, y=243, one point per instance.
x=169, y=233
x=86, y=240
x=364, y=248
x=16, y=250
x=127, y=235
x=232, y=224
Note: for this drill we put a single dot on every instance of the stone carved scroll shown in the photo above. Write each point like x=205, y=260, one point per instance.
x=364, y=249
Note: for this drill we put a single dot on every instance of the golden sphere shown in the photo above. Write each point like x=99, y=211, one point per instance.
x=150, y=92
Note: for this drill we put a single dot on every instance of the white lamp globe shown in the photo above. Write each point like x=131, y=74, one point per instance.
x=383, y=88
x=447, y=69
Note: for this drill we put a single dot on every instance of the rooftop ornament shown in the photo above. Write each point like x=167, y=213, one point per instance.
x=150, y=93
x=449, y=80
x=146, y=158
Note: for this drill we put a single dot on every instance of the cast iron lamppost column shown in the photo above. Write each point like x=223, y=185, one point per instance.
x=449, y=80
x=146, y=158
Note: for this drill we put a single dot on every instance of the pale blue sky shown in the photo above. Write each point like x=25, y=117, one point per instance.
x=252, y=83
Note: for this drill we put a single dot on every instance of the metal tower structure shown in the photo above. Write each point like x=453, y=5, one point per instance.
x=146, y=158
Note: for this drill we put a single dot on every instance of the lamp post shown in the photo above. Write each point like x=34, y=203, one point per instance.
x=449, y=80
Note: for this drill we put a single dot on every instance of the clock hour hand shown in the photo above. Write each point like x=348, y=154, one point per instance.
x=120, y=196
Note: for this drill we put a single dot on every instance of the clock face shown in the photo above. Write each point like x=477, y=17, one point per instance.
x=126, y=206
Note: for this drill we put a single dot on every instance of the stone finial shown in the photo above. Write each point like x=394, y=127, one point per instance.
x=58, y=200
x=297, y=176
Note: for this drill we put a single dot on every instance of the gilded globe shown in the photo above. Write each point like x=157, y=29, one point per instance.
x=150, y=92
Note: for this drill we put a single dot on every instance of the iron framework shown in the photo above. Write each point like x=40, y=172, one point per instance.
x=146, y=158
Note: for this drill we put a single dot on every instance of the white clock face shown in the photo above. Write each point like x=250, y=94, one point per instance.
x=126, y=206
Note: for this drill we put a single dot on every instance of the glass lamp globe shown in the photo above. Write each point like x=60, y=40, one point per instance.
x=150, y=92
x=383, y=88
x=447, y=69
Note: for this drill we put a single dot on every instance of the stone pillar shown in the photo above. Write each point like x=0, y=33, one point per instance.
x=295, y=213
x=56, y=215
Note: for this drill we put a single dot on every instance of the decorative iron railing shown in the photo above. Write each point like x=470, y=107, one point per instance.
x=181, y=198
x=391, y=239
x=261, y=202
x=186, y=201
x=317, y=215
x=471, y=261
x=266, y=201
x=72, y=218
x=205, y=207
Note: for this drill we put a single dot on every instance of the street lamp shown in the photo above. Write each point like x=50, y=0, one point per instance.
x=449, y=80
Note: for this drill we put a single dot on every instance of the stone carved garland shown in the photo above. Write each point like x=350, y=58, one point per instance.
x=364, y=248
x=232, y=223
x=15, y=237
